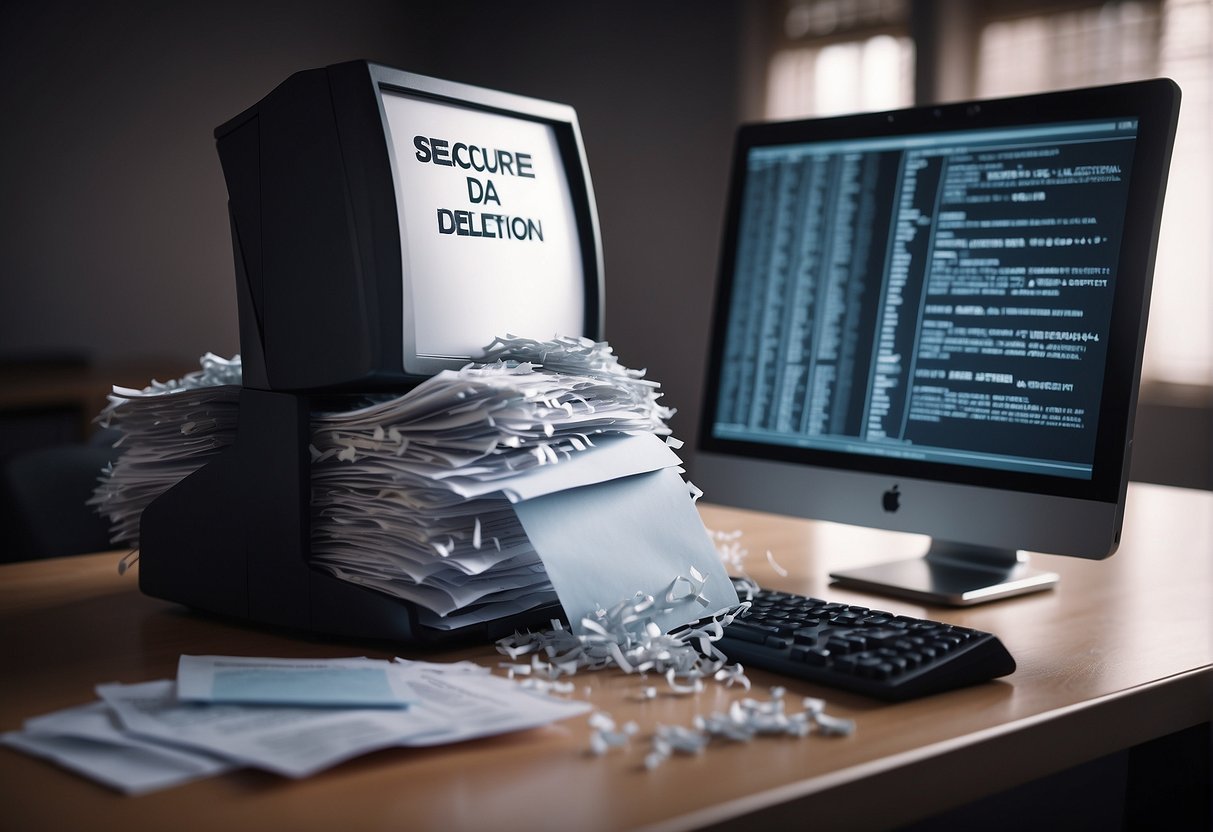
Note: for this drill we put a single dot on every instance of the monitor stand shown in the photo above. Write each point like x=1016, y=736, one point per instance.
x=952, y=574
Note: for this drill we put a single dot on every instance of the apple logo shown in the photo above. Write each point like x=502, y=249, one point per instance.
x=891, y=499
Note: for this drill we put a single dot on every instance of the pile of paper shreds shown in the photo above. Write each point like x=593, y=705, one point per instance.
x=408, y=491
x=624, y=637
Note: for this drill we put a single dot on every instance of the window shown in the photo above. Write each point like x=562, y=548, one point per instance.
x=840, y=56
x=1121, y=42
x=875, y=73
x=834, y=56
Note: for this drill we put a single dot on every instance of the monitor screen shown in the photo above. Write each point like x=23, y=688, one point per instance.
x=932, y=320
x=488, y=233
x=943, y=298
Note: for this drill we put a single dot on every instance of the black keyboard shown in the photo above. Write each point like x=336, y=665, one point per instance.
x=866, y=651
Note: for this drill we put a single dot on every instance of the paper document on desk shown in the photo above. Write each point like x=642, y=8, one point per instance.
x=141, y=737
x=474, y=703
x=291, y=741
x=453, y=702
x=90, y=741
x=351, y=683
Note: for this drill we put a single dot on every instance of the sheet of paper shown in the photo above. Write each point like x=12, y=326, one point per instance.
x=291, y=741
x=611, y=457
x=474, y=703
x=351, y=683
x=96, y=722
x=126, y=768
x=89, y=740
x=603, y=543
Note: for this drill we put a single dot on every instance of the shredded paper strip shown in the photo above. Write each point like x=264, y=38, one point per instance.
x=625, y=636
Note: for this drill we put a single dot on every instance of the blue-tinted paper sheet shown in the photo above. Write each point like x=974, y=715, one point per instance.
x=603, y=543
x=319, y=682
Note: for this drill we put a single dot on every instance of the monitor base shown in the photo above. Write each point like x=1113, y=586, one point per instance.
x=951, y=575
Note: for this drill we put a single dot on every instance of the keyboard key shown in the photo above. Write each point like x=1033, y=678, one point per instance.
x=882, y=637
x=755, y=633
x=817, y=656
x=806, y=635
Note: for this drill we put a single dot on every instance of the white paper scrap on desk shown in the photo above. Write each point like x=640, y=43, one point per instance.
x=602, y=543
x=88, y=741
x=291, y=741
x=350, y=683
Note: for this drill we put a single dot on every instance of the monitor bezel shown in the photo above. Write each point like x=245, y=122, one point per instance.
x=1154, y=104
x=562, y=119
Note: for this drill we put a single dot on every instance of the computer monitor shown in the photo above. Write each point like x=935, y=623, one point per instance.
x=389, y=225
x=932, y=321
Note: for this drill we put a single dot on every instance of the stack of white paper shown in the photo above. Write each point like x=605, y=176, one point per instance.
x=438, y=496
x=169, y=430
x=414, y=495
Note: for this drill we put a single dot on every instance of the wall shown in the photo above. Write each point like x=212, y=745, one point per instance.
x=114, y=236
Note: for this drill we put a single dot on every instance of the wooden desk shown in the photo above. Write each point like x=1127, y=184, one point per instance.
x=1120, y=653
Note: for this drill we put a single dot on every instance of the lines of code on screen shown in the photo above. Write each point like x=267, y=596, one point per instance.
x=941, y=297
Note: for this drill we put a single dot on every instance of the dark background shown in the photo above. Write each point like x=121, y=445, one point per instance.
x=115, y=238
x=114, y=241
